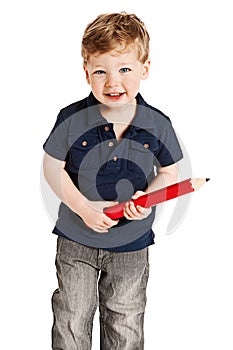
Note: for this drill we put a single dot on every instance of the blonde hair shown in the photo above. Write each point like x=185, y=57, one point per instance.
x=115, y=31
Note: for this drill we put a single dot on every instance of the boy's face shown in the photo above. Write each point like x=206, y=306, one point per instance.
x=115, y=77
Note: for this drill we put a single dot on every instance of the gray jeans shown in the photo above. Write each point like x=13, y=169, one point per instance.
x=88, y=277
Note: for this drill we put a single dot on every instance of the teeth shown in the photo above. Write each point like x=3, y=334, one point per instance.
x=114, y=94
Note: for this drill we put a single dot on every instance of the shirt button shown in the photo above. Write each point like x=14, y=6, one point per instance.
x=146, y=145
x=84, y=143
x=106, y=128
x=110, y=144
x=115, y=158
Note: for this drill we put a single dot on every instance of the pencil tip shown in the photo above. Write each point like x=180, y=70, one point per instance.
x=207, y=179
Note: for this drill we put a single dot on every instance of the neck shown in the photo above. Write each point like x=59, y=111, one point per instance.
x=120, y=114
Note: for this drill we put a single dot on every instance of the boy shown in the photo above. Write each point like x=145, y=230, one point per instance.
x=101, y=150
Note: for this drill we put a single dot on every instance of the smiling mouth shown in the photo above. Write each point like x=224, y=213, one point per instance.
x=115, y=94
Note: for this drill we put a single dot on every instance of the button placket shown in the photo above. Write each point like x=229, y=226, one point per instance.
x=113, y=158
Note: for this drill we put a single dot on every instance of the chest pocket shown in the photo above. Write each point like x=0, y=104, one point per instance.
x=141, y=155
x=84, y=152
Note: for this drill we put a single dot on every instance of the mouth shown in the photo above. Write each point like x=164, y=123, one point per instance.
x=115, y=94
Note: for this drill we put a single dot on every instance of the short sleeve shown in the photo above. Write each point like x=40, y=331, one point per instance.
x=169, y=150
x=56, y=144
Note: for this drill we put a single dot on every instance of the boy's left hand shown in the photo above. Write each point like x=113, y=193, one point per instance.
x=132, y=212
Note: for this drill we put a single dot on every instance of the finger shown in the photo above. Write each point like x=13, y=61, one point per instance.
x=127, y=216
x=128, y=209
x=113, y=223
x=144, y=211
x=104, y=226
x=140, y=209
x=110, y=204
x=100, y=230
x=130, y=212
x=127, y=212
x=109, y=222
x=138, y=194
x=134, y=210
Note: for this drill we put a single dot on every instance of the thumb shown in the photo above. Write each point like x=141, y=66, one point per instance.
x=138, y=194
x=111, y=203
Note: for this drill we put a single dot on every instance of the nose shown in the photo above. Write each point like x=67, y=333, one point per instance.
x=112, y=80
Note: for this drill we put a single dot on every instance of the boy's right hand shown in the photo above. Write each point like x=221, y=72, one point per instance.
x=93, y=216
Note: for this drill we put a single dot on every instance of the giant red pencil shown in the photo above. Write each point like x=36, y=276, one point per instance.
x=153, y=198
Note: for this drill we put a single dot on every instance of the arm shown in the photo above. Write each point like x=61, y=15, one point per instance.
x=165, y=176
x=60, y=182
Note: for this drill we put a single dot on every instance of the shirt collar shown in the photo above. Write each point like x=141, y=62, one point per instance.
x=144, y=117
x=93, y=113
x=140, y=121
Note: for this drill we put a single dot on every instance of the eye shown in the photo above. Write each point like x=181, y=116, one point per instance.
x=99, y=72
x=125, y=70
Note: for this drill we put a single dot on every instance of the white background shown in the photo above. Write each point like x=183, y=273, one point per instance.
x=190, y=288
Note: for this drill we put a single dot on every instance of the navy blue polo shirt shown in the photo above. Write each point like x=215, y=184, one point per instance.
x=104, y=168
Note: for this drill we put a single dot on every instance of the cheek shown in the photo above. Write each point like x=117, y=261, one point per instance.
x=95, y=85
x=134, y=83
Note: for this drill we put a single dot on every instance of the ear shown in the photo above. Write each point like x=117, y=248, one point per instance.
x=87, y=74
x=145, y=70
